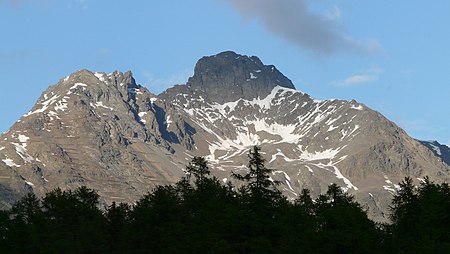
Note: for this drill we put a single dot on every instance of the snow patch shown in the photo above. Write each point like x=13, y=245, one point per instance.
x=331, y=128
x=142, y=114
x=339, y=175
x=389, y=189
x=279, y=153
x=100, y=76
x=359, y=107
x=327, y=154
x=22, y=152
x=263, y=104
x=29, y=183
x=168, y=121
x=10, y=162
x=282, y=172
x=23, y=139
x=309, y=169
x=45, y=104
x=331, y=166
x=100, y=104
x=75, y=86
x=436, y=149
x=61, y=105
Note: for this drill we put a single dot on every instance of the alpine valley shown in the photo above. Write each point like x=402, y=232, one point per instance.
x=110, y=134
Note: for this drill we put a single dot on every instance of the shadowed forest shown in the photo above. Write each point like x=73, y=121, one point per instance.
x=201, y=215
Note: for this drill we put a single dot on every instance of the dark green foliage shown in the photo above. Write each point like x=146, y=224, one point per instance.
x=117, y=219
x=5, y=227
x=258, y=176
x=421, y=218
x=74, y=224
x=26, y=222
x=204, y=216
x=62, y=222
x=343, y=226
x=199, y=168
x=260, y=190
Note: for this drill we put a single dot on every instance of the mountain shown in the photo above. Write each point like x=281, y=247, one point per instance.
x=439, y=150
x=111, y=134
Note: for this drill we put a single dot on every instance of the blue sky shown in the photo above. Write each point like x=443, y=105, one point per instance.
x=393, y=56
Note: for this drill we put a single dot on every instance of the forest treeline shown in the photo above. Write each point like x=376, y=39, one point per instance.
x=201, y=215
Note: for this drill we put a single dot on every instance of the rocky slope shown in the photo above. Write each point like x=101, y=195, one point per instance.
x=439, y=150
x=107, y=132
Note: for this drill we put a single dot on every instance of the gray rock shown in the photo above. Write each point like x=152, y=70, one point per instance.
x=228, y=77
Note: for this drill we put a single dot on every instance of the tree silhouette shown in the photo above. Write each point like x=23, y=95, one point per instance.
x=117, y=218
x=199, y=168
x=421, y=218
x=258, y=179
x=206, y=216
x=343, y=226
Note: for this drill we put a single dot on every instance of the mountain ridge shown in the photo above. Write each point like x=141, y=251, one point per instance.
x=107, y=132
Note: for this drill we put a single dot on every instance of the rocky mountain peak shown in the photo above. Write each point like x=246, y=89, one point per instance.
x=228, y=76
x=88, y=77
x=106, y=132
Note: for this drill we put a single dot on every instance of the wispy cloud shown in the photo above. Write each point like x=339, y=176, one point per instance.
x=83, y=4
x=17, y=56
x=407, y=71
x=357, y=79
x=293, y=20
x=13, y=2
x=367, y=76
x=159, y=84
x=335, y=14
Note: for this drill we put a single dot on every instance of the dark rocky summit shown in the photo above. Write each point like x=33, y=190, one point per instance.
x=228, y=77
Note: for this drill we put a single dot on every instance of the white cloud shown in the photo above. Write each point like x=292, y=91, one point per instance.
x=295, y=21
x=358, y=79
x=335, y=14
x=367, y=76
x=159, y=84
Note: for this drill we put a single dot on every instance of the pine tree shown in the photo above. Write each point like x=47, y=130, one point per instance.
x=343, y=226
x=258, y=177
x=117, y=218
x=421, y=218
x=199, y=168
